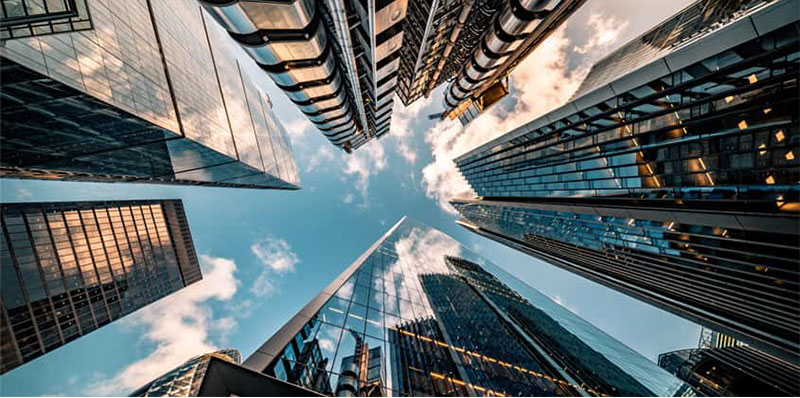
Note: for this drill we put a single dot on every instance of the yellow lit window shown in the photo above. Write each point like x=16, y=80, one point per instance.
x=752, y=78
x=780, y=136
x=770, y=180
x=742, y=125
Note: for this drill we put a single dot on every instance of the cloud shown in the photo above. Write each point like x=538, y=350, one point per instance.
x=541, y=82
x=179, y=325
x=264, y=286
x=367, y=161
x=275, y=254
x=402, y=132
x=348, y=198
x=321, y=159
x=561, y=302
x=606, y=33
x=326, y=344
x=298, y=128
x=23, y=193
x=277, y=257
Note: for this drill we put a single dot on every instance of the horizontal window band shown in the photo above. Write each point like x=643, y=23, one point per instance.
x=312, y=83
x=389, y=33
x=386, y=61
x=278, y=35
x=342, y=116
x=349, y=120
x=387, y=78
x=326, y=110
x=312, y=100
x=298, y=63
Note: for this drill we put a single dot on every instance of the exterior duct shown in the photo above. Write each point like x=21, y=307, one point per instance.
x=509, y=29
x=290, y=42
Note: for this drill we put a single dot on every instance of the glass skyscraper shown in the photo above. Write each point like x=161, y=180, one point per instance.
x=672, y=175
x=342, y=61
x=139, y=91
x=69, y=268
x=420, y=315
x=186, y=380
x=723, y=366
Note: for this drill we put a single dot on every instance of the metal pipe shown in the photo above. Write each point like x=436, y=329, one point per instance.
x=508, y=31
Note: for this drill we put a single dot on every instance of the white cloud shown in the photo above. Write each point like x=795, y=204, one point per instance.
x=365, y=162
x=23, y=193
x=321, y=159
x=264, y=286
x=277, y=257
x=298, y=128
x=606, y=33
x=561, y=302
x=348, y=198
x=542, y=82
x=179, y=325
x=326, y=345
x=275, y=254
x=401, y=132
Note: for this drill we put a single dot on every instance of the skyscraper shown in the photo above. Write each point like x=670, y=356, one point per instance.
x=721, y=366
x=142, y=91
x=342, y=61
x=186, y=380
x=418, y=314
x=69, y=268
x=672, y=175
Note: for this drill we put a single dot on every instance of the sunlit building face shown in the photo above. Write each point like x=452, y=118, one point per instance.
x=69, y=268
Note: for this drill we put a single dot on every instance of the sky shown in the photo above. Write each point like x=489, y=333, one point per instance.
x=265, y=254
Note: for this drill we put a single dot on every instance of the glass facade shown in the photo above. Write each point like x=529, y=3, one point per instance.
x=185, y=380
x=69, y=268
x=25, y=18
x=677, y=182
x=156, y=92
x=738, y=371
x=420, y=315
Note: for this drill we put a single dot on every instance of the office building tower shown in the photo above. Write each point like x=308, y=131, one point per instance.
x=342, y=61
x=26, y=18
x=672, y=175
x=135, y=91
x=418, y=314
x=69, y=268
x=723, y=367
x=185, y=380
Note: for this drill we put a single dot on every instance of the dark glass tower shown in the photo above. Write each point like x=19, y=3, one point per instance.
x=69, y=268
x=153, y=91
x=672, y=175
x=187, y=379
x=418, y=314
x=722, y=366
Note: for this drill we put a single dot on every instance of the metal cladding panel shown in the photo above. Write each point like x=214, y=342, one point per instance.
x=731, y=36
x=778, y=15
x=643, y=75
x=389, y=15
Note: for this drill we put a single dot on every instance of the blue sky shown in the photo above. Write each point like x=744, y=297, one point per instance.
x=265, y=254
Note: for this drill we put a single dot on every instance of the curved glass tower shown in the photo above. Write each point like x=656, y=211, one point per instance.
x=420, y=315
x=671, y=176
